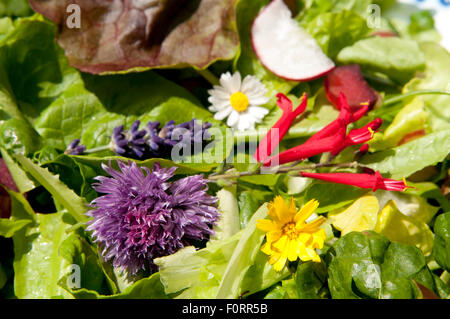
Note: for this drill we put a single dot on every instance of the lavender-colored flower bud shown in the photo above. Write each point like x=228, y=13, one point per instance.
x=131, y=143
x=74, y=148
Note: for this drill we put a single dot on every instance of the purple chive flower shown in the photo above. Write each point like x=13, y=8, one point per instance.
x=143, y=216
x=129, y=143
x=74, y=148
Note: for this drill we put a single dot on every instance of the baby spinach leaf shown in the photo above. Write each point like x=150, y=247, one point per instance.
x=441, y=250
x=310, y=279
x=368, y=265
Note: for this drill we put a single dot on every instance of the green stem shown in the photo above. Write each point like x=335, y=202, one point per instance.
x=97, y=149
x=401, y=97
x=209, y=76
x=285, y=169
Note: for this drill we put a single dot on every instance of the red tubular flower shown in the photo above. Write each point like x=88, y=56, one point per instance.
x=271, y=140
x=372, y=181
x=364, y=149
x=360, y=135
x=308, y=149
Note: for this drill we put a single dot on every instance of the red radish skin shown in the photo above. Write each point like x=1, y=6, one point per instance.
x=349, y=80
x=318, y=60
x=385, y=34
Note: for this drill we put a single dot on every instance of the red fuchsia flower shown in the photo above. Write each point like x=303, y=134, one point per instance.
x=272, y=139
x=372, y=181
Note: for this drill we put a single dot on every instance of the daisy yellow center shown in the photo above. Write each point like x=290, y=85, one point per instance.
x=239, y=101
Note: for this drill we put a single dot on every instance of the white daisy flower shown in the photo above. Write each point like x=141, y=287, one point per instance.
x=239, y=101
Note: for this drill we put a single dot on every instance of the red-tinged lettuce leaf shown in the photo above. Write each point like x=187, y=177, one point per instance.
x=130, y=35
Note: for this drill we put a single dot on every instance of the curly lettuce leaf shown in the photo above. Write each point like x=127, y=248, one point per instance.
x=120, y=36
x=334, y=31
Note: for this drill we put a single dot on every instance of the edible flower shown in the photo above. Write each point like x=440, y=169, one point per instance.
x=142, y=215
x=75, y=148
x=332, y=138
x=239, y=100
x=280, y=128
x=290, y=234
x=371, y=181
x=153, y=141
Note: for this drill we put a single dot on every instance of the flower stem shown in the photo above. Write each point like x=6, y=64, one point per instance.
x=286, y=169
x=209, y=76
x=401, y=97
x=97, y=149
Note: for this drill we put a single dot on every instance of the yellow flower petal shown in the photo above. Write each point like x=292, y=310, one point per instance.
x=312, y=226
x=306, y=211
x=267, y=249
x=281, y=244
x=266, y=225
x=318, y=239
x=273, y=236
x=292, y=250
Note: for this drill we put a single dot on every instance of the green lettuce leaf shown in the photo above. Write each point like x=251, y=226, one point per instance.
x=404, y=160
x=334, y=31
x=75, y=205
x=435, y=77
x=38, y=266
x=441, y=250
x=395, y=57
x=146, y=288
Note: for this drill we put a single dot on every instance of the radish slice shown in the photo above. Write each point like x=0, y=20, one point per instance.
x=285, y=48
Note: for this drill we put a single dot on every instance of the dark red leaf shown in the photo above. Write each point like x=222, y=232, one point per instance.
x=119, y=35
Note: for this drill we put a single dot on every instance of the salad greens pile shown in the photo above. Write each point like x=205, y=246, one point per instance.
x=59, y=84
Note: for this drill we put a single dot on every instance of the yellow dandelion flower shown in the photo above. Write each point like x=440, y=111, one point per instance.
x=288, y=235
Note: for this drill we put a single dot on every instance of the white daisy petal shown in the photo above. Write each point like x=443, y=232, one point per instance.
x=258, y=112
x=244, y=122
x=233, y=119
x=223, y=113
x=236, y=82
x=225, y=82
x=258, y=100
